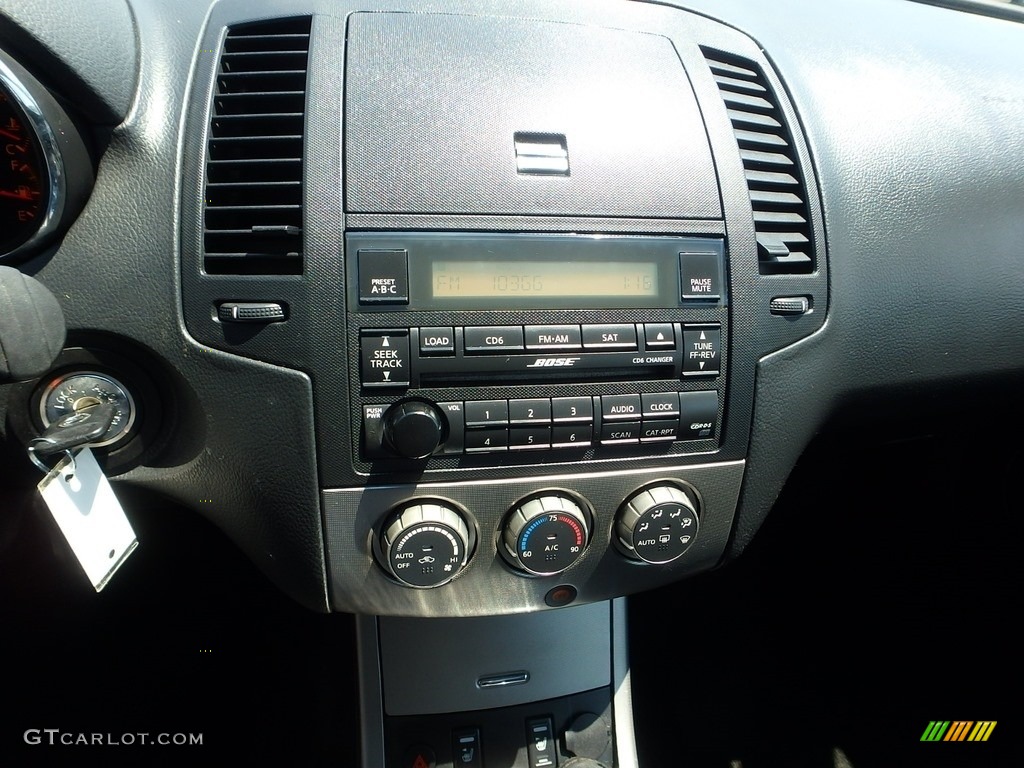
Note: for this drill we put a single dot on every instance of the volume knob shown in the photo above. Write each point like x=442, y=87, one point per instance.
x=414, y=429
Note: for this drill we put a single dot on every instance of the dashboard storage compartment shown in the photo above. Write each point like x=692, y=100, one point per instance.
x=449, y=114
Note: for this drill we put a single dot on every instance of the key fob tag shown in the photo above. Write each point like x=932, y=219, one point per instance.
x=83, y=504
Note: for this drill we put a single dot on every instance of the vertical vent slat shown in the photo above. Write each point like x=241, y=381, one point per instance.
x=775, y=182
x=252, y=216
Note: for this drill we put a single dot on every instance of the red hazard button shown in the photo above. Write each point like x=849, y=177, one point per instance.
x=420, y=757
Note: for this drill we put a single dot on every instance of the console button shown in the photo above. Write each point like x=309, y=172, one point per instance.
x=383, y=276
x=454, y=413
x=385, y=358
x=466, y=748
x=486, y=412
x=373, y=431
x=660, y=405
x=702, y=351
x=659, y=336
x=493, y=338
x=540, y=743
x=529, y=438
x=620, y=407
x=698, y=414
x=611, y=336
x=486, y=439
x=572, y=435
x=535, y=410
x=572, y=409
x=626, y=432
x=553, y=337
x=656, y=431
x=700, y=276
x=437, y=341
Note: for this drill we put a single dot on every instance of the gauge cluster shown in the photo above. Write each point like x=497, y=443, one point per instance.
x=45, y=169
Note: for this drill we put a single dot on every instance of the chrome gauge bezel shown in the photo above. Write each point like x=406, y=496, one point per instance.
x=49, y=149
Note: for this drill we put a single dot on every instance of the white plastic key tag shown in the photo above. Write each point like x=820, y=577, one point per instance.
x=82, y=502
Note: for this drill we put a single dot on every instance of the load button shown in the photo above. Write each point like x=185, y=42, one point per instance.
x=702, y=351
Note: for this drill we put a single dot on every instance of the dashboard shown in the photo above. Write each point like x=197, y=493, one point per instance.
x=505, y=310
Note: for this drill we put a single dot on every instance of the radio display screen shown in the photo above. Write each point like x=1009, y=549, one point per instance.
x=575, y=279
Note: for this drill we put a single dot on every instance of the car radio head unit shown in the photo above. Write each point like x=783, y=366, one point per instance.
x=488, y=343
x=443, y=271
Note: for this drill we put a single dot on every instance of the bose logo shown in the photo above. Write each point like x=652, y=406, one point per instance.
x=554, y=362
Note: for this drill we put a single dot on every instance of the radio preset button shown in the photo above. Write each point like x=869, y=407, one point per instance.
x=535, y=410
x=611, y=336
x=383, y=276
x=572, y=435
x=620, y=407
x=487, y=439
x=529, y=438
x=616, y=433
x=659, y=336
x=699, y=414
x=491, y=339
x=385, y=358
x=702, y=351
x=559, y=337
x=437, y=341
x=482, y=413
x=660, y=405
x=578, y=409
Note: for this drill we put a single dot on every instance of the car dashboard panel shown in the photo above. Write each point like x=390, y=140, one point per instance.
x=445, y=271
x=473, y=319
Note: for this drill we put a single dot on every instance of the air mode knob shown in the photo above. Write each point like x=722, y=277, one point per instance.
x=414, y=429
x=425, y=544
x=546, y=534
x=658, y=524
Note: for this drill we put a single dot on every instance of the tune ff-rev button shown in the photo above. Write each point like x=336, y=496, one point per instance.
x=426, y=544
x=657, y=525
x=546, y=534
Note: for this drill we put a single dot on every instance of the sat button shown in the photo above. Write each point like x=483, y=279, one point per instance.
x=617, y=336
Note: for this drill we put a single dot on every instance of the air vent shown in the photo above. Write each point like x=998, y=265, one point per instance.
x=776, y=185
x=253, y=213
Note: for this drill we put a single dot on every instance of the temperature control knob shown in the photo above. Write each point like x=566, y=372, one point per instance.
x=546, y=534
x=425, y=544
x=414, y=429
x=658, y=524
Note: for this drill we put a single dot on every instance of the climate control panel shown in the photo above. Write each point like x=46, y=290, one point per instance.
x=425, y=543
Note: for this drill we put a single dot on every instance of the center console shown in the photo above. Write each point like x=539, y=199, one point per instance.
x=528, y=258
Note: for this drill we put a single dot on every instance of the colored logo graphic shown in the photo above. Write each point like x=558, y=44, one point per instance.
x=958, y=730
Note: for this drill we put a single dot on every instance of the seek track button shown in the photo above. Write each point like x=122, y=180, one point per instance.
x=385, y=358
